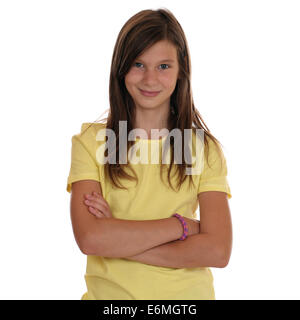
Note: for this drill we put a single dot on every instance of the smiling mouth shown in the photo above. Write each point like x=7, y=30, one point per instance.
x=150, y=91
x=149, y=94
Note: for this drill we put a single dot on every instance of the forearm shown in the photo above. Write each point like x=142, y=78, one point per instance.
x=198, y=250
x=122, y=238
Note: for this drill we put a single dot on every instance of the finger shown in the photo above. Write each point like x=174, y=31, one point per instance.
x=94, y=204
x=99, y=206
x=92, y=200
x=96, y=196
x=99, y=196
x=96, y=213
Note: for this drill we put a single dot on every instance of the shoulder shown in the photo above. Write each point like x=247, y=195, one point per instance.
x=88, y=138
x=203, y=143
x=211, y=146
x=214, y=147
x=90, y=129
x=89, y=132
x=208, y=149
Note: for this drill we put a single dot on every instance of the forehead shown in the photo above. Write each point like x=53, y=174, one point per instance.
x=162, y=51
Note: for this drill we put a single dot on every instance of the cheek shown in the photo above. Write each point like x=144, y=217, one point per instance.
x=131, y=81
x=132, y=77
x=168, y=80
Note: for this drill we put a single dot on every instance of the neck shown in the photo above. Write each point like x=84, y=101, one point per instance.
x=152, y=119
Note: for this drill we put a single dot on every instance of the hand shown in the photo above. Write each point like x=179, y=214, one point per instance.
x=97, y=205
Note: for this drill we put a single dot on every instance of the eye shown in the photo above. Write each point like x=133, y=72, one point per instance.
x=165, y=65
x=137, y=63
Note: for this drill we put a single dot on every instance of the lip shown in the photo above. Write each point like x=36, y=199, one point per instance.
x=149, y=93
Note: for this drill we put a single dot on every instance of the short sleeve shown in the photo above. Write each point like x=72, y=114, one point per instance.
x=214, y=176
x=83, y=165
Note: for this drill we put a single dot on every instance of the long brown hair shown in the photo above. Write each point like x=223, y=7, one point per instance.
x=140, y=32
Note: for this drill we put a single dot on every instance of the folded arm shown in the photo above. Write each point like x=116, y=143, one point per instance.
x=195, y=251
x=118, y=238
x=155, y=241
x=210, y=248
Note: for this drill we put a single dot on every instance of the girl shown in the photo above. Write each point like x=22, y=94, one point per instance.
x=123, y=213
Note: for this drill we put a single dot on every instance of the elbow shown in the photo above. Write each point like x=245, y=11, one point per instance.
x=92, y=241
x=223, y=257
x=88, y=245
x=84, y=246
x=223, y=262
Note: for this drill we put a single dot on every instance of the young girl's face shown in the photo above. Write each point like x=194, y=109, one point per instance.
x=156, y=70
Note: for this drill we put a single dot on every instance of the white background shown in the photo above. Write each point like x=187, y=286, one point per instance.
x=55, y=61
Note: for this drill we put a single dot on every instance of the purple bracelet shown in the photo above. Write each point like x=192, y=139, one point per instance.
x=185, y=228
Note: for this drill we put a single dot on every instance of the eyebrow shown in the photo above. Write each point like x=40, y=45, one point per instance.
x=165, y=60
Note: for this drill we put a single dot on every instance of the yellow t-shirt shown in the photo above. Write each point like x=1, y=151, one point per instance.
x=121, y=279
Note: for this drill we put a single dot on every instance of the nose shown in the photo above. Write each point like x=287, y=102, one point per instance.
x=150, y=77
